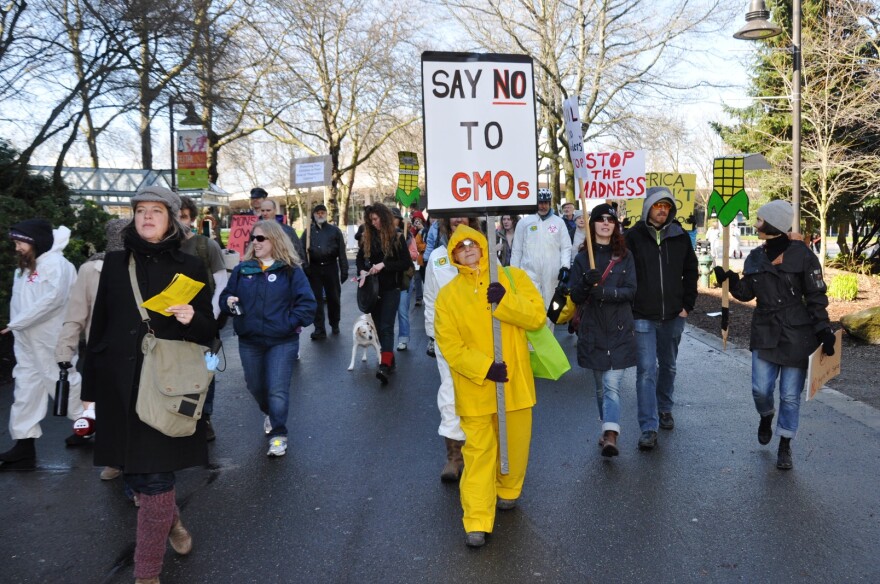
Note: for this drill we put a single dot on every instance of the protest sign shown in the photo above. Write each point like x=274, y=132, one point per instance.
x=575, y=137
x=240, y=231
x=683, y=188
x=311, y=171
x=481, y=149
x=821, y=368
x=615, y=175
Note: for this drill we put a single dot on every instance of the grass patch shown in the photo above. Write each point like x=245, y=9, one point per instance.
x=844, y=287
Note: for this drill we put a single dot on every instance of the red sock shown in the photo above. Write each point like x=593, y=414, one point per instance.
x=387, y=358
x=155, y=516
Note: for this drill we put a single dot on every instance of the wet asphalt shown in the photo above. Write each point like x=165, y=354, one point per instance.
x=358, y=496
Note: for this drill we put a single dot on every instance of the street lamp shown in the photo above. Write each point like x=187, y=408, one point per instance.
x=758, y=27
x=191, y=119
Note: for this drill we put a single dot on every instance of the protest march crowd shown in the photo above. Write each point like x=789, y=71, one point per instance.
x=149, y=308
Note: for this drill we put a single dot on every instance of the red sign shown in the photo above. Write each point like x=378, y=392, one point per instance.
x=240, y=231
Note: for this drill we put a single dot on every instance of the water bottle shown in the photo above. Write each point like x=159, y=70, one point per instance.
x=62, y=392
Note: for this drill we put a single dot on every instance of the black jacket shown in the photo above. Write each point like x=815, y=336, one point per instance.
x=395, y=264
x=666, y=270
x=606, y=337
x=114, y=359
x=327, y=246
x=791, y=304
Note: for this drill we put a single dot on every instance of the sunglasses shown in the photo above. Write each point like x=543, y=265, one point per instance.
x=260, y=238
x=605, y=219
x=662, y=205
x=465, y=243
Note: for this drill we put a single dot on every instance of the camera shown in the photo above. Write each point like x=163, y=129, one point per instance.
x=236, y=309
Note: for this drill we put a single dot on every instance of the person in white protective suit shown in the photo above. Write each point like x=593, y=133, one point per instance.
x=439, y=272
x=542, y=247
x=40, y=289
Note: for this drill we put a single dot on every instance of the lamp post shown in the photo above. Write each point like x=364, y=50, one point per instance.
x=190, y=119
x=758, y=27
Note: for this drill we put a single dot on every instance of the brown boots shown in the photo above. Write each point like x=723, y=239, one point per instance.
x=454, y=462
x=609, y=443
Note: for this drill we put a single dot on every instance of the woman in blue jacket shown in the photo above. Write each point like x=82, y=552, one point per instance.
x=271, y=299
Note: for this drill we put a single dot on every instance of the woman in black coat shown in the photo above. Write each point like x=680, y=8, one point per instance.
x=382, y=253
x=606, y=337
x=113, y=365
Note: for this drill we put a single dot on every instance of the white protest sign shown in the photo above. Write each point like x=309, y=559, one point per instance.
x=575, y=134
x=311, y=171
x=481, y=148
x=615, y=175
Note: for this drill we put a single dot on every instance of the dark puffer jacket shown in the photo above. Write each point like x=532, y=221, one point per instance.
x=791, y=304
x=666, y=266
x=277, y=303
x=606, y=337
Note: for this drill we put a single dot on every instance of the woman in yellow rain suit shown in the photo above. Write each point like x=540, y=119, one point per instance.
x=463, y=328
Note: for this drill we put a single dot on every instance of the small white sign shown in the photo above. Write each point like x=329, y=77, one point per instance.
x=312, y=171
x=571, y=114
x=481, y=149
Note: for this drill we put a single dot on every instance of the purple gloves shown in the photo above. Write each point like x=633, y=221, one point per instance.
x=497, y=372
x=495, y=292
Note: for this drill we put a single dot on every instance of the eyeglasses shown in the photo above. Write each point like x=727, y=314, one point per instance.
x=662, y=205
x=260, y=238
x=605, y=219
x=465, y=243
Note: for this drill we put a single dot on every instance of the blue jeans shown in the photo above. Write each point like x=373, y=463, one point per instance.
x=791, y=384
x=268, y=368
x=656, y=352
x=608, y=397
x=403, y=313
x=417, y=284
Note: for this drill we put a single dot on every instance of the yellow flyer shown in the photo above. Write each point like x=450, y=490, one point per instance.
x=181, y=290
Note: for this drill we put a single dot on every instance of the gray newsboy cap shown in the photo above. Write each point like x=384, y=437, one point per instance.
x=156, y=194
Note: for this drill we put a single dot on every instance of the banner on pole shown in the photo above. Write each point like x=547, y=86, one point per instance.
x=574, y=131
x=615, y=175
x=192, y=160
x=481, y=149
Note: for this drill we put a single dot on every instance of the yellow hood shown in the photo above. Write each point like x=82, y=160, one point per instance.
x=465, y=232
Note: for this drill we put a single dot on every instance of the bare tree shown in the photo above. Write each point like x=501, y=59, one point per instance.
x=353, y=62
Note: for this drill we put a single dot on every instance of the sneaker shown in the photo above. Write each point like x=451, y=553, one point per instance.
x=401, y=346
x=210, y=436
x=109, y=473
x=267, y=425
x=506, y=504
x=430, y=350
x=648, y=440
x=277, y=446
x=666, y=421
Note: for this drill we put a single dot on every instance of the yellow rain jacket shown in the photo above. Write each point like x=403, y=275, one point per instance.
x=463, y=329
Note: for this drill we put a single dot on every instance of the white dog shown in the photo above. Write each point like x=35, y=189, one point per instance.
x=364, y=335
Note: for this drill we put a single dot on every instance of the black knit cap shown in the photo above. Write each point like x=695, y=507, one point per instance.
x=37, y=232
x=319, y=207
x=603, y=209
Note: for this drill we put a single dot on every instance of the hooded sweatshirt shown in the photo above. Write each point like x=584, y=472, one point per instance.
x=463, y=327
x=666, y=264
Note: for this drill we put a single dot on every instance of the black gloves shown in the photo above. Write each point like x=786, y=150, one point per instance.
x=495, y=292
x=721, y=276
x=827, y=339
x=497, y=372
x=68, y=364
x=563, y=275
x=592, y=277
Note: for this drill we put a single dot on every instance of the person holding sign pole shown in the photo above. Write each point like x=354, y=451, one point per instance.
x=789, y=323
x=464, y=327
x=606, y=335
x=382, y=252
x=542, y=247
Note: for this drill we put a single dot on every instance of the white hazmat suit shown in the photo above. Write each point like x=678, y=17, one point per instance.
x=540, y=247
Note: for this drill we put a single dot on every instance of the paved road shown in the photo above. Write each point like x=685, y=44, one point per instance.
x=358, y=499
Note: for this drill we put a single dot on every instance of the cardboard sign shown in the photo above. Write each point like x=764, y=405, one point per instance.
x=192, y=160
x=311, y=171
x=615, y=175
x=240, y=232
x=481, y=147
x=821, y=368
x=574, y=131
x=683, y=187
